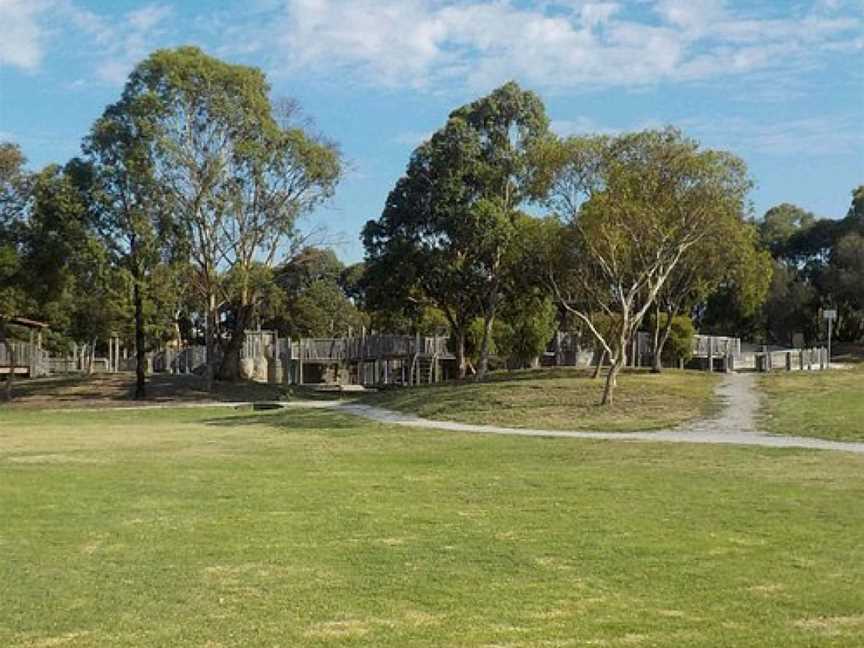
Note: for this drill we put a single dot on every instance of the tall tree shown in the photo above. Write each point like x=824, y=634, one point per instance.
x=134, y=206
x=14, y=195
x=449, y=221
x=237, y=178
x=636, y=205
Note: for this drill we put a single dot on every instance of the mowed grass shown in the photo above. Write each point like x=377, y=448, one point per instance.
x=562, y=399
x=824, y=404
x=309, y=528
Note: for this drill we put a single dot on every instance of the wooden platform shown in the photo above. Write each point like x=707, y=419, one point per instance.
x=18, y=371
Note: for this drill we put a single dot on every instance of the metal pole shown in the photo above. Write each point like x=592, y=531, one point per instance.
x=830, y=322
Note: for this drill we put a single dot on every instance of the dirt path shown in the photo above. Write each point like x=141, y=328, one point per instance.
x=734, y=425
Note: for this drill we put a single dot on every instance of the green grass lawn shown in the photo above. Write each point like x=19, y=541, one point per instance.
x=563, y=399
x=828, y=405
x=209, y=527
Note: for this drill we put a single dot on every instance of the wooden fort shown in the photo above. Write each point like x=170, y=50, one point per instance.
x=369, y=360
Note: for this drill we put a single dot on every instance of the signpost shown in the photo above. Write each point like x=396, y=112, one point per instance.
x=829, y=315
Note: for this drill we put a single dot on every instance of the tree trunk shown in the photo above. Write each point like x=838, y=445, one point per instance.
x=483, y=366
x=91, y=356
x=209, y=341
x=619, y=361
x=140, y=345
x=230, y=368
x=656, y=350
x=599, y=365
x=660, y=344
x=461, y=364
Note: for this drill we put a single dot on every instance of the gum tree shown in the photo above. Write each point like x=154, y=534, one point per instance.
x=634, y=206
x=237, y=180
x=449, y=222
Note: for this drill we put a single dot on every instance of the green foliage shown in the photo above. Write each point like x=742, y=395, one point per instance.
x=818, y=260
x=312, y=300
x=789, y=307
x=526, y=327
x=636, y=206
x=679, y=345
x=442, y=239
x=780, y=224
x=322, y=310
x=236, y=174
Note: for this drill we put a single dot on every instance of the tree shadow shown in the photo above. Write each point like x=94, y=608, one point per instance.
x=288, y=420
x=119, y=389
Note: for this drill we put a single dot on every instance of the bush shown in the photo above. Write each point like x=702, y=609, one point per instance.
x=679, y=346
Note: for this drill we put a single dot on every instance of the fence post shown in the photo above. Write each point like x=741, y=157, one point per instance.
x=710, y=354
x=788, y=361
x=300, y=361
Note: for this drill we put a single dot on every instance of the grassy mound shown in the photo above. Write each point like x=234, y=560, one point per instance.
x=562, y=399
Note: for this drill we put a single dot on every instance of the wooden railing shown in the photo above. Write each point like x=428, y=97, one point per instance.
x=371, y=347
x=715, y=346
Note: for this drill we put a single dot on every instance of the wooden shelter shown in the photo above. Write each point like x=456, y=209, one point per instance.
x=26, y=359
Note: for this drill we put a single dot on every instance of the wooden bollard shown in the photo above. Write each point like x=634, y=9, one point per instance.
x=788, y=361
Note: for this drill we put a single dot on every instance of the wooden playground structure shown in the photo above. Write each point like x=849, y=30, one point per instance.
x=372, y=360
x=25, y=359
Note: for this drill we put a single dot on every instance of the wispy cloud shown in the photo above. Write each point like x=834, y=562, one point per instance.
x=123, y=41
x=581, y=125
x=114, y=43
x=815, y=136
x=419, y=43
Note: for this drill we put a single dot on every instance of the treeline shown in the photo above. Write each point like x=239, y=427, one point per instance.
x=178, y=224
x=510, y=233
x=178, y=213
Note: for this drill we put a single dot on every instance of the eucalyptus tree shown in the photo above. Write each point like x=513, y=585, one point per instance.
x=15, y=184
x=635, y=205
x=236, y=178
x=15, y=193
x=134, y=208
x=448, y=223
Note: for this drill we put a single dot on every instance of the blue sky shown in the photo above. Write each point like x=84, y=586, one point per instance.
x=780, y=83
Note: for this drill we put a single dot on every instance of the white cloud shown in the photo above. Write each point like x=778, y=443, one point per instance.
x=21, y=43
x=115, y=43
x=419, y=43
x=806, y=136
x=128, y=40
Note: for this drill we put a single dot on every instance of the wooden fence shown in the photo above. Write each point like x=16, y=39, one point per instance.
x=24, y=359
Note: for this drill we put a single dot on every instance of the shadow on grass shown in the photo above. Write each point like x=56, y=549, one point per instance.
x=288, y=420
x=118, y=389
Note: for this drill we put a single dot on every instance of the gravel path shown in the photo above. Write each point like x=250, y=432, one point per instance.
x=735, y=424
